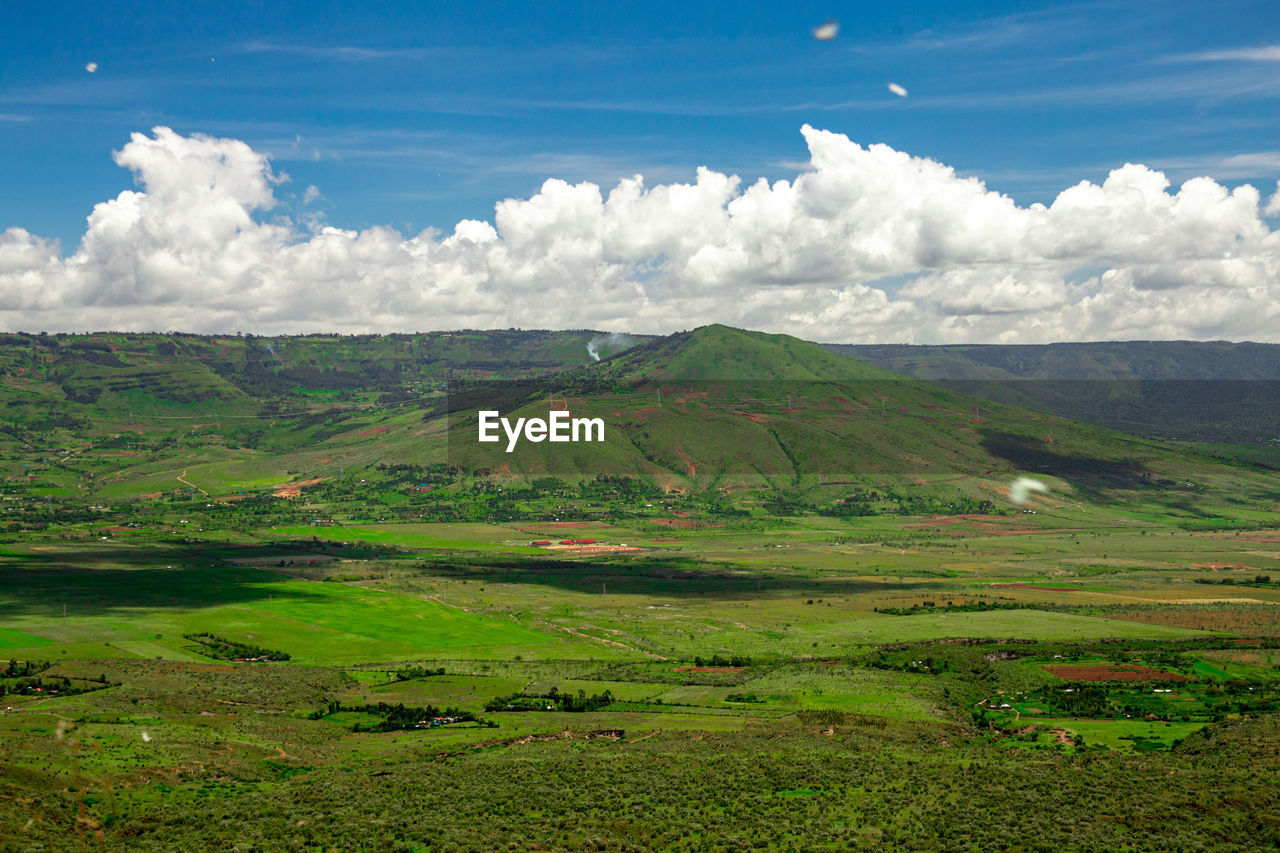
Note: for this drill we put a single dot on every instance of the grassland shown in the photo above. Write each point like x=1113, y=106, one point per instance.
x=789, y=662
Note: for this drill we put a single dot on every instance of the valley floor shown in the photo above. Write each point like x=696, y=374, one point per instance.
x=932, y=683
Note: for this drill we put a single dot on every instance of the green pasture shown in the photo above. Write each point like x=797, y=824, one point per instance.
x=844, y=688
x=1251, y=664
x=144, y=612
x=460, y=691
x=1123, y=735
x=709, y=630
x=11, y=639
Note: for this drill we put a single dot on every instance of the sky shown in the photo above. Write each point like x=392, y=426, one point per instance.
x=1037, y=172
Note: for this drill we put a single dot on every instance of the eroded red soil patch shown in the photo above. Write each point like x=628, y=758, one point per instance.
x=692, y=466
x=292, y=490
x=1113, y=672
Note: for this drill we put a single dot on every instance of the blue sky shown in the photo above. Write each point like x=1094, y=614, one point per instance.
x=390, y=118
x=417, y=114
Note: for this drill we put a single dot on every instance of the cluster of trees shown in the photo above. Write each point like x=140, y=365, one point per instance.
x=400, y=717
x=17, y=669
x=869, y=503
x=1083, y=700
x=408, y=673
x=223, y=649
x=1241, y=697
x=978, y=606
x=26, y=683
x=552, y=700
x=434, y=475
x=849, y=508
x=1257, y=580
x=932, y=664
x=722, y=660
x=744, y=697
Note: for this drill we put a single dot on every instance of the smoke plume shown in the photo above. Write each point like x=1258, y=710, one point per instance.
x=610, y=344
x=1021, y=489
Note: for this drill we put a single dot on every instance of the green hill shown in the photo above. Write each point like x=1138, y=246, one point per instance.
x=386, y=420
x=720, y=408
x=722, y=353
x=104, y=417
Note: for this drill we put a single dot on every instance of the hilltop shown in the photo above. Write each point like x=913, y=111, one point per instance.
x=722, y=353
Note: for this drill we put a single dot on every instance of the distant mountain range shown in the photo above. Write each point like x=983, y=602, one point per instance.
x=1101, y=361
x=1214, y=391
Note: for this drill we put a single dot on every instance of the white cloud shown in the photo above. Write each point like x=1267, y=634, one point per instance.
x=1273, y=206
x=827, y=31
x=986, y=290
x=1129, y=258
x=1265, y=53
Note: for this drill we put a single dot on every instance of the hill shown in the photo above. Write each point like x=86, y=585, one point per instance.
x=720, y=408
x=100, y=418
x=722, y=353
x=1096, y=361
x=1216, y=392
x=389, y=425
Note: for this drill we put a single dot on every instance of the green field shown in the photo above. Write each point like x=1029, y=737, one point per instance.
x=146, y=612
x=1125, y=734
x=11, y=639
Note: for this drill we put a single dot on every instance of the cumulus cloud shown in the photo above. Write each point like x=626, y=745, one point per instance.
x=1273, y=206
x=866, y=244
